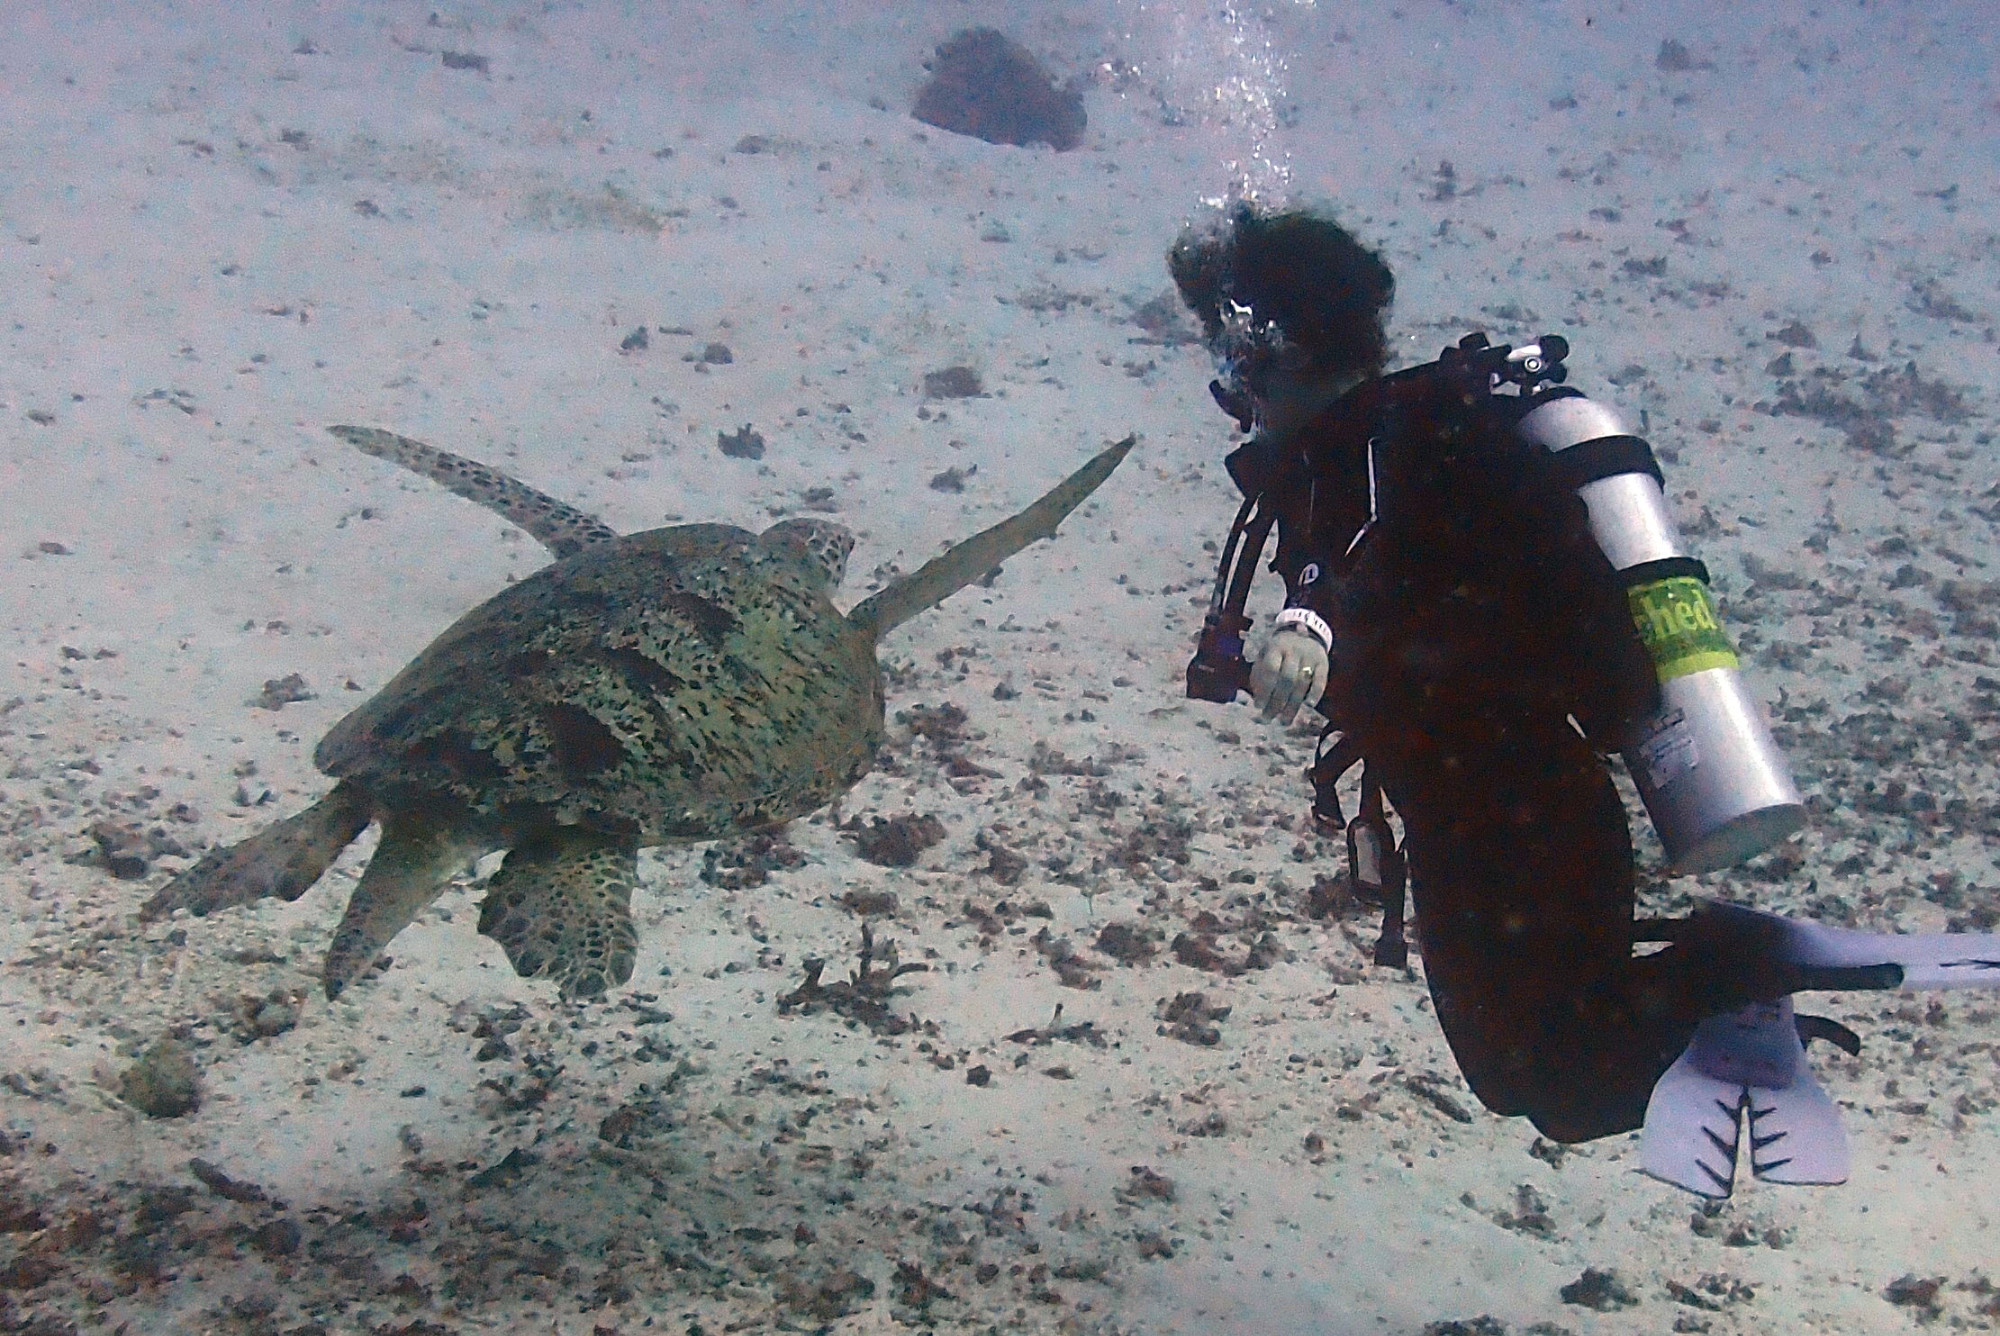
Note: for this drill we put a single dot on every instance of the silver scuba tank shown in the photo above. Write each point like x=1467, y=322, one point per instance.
x=1712, y=778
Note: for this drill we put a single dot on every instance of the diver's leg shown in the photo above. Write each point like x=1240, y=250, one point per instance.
x=1521, y=871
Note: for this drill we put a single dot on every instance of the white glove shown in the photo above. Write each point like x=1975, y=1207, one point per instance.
x=1291, y=672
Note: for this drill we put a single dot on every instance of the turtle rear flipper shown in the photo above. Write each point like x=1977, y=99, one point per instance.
x=557, y=525
x=281, y=861
x=561, y=908
x=418, y=855
x=942, y=576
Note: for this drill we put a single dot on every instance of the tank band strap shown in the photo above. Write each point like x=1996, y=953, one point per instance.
x=1606, y=457
x=1666, y=568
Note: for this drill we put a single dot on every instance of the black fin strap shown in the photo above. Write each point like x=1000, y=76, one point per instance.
x=1824, y=1027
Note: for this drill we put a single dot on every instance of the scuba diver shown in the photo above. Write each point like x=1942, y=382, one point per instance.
x=1485, y=597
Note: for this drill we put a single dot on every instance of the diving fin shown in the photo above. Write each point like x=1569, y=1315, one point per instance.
x=1747, y=1068
x=1925, y=960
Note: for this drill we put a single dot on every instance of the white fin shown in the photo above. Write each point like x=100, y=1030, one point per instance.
x=1746, y=1066
x=1928, y=959
x=1750, y=1066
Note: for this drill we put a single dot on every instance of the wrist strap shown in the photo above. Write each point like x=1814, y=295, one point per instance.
x=1308, y=621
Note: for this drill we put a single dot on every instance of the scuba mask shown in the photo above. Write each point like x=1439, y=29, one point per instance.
x=1253, y=362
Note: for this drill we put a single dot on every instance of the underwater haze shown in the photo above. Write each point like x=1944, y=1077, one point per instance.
x=1052, y=1022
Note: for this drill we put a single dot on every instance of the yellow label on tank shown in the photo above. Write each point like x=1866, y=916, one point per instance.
x=1678, y=622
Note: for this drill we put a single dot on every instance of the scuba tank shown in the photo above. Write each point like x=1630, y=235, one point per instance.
x=1716, y=786
x=1714, y=783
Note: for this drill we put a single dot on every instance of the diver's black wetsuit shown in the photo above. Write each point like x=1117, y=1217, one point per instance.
x=1474, y=618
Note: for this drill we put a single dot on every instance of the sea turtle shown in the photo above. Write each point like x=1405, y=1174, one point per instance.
x=674, y=685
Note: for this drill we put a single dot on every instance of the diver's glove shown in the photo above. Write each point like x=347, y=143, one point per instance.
x=1291, y=672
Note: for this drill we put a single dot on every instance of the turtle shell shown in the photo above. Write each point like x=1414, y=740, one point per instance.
x=678, y=684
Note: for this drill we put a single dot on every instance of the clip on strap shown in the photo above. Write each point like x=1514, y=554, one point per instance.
x=1378, y=874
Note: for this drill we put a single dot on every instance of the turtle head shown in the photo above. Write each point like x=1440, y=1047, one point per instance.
x=822, y=544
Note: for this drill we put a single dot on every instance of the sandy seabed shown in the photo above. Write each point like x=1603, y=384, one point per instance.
x=1769, y=231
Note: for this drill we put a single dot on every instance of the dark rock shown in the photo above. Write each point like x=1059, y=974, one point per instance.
x=163, y=1083
x=1126, y=943
x=222, y=1185
x=954, y=382
x=1191, y=1019
x=1599, y=1290
x=1794, y=335
x=834, y=1296
x=511, y=1166
x=738, y=865
x=897, y=841
x=984, y=85
x=745, y=443
x=1920, y=1293
x=123, y=846
x=279, y=692
x=18, y=1214
x=1003, y=864
x=1146, y=1185
x=870, y=902
x=1483, y=1325
x=1675, y=58
x=27, y=1273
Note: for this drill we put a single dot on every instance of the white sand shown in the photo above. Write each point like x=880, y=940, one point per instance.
x=212, y=245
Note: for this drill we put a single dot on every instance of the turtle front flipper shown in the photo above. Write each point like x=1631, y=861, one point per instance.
x=561, y=908
x=942, y=576
x=282, y=860
x=418, y=855
x=556, y=525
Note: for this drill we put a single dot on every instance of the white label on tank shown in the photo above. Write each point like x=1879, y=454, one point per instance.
x=1667, y=751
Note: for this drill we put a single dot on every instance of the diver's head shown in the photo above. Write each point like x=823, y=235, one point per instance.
x=1292, y=307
